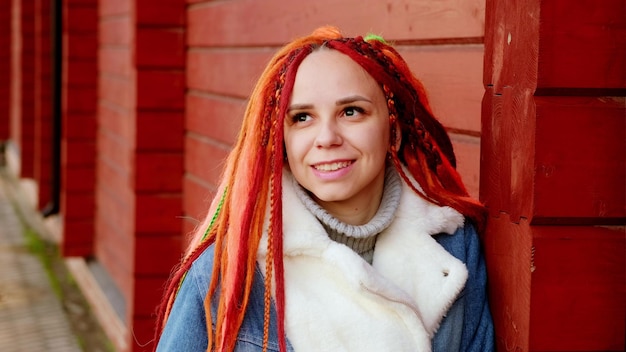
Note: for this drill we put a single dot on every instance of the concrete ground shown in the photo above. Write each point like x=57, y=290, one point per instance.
x=41, y=309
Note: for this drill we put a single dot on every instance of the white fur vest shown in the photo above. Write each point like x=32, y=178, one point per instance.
x=335, y=301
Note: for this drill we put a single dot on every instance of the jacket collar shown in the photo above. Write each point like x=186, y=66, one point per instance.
x=409, y=266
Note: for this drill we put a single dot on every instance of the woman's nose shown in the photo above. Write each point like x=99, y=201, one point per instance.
x=328, y=134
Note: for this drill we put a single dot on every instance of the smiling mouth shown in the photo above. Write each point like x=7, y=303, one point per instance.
x=332, y=166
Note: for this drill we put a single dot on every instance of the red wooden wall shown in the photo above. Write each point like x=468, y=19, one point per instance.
x=152, y=97
x=139, y=152
x=5, y=67
x=442, y=41
x=153, y=93
x=553, y=173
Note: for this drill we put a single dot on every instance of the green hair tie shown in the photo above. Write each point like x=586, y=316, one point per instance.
x=217, y=213
x=372, y=36
x=206, y=233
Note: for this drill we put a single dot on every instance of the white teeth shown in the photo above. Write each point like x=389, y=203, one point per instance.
x=332, y=166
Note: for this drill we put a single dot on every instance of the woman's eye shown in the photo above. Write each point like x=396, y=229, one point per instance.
x=352, y=111
x=301, y=117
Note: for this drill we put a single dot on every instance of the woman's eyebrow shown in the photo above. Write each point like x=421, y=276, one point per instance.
x=300, y=107
x=352, y=99
x=343, y=101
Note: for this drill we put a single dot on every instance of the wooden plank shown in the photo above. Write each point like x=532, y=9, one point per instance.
x=215, y=117
x=274, y=22
x=159, y=47
x=5, y=66
x=507, y=152
x=113, y=8
x=116, y=30
x=157, y=255
x=198, y=195
x=116, y=153
x=508, y=249
x=169, y=166
x=113, y=246
x=451, y=75
x=511, y=45
x=230, y=73
x=580, y=161
x=161, y=131
x=204, y=159
x=116, y=90
x=494, y=175
x=162, y=90
x=578, y=289
x=582, y=44
x=167, y=13
x=114, y=120
x=467, y=150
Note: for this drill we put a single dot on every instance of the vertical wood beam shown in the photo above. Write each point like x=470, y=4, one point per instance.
x=553, y=171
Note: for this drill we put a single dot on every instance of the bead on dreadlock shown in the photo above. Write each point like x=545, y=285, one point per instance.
x=392, y=117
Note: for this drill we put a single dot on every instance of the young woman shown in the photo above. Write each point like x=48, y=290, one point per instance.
x=340, y=223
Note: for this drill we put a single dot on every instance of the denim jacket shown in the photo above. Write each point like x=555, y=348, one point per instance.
x=466, y=325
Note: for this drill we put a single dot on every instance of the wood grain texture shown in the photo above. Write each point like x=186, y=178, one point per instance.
x=275, y=22
x=583, y=44
x=511, y=44
x=508, y=251
x=467, y=151
x=580, y=161
x=552, y=160
x=578, y=288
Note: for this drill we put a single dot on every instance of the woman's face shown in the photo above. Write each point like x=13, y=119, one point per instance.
x=337, y=135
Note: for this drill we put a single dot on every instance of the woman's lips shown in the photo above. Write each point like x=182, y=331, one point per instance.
x=332, y=170
x=333, y=166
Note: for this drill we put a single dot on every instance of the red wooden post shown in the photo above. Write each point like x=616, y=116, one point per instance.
x=553, y=173
x=22, y=80
x=158, y=166
x=79, y=106
x=5, y=68
x=42, y=101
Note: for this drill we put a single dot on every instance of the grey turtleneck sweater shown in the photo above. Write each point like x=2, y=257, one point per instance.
x=360, y=238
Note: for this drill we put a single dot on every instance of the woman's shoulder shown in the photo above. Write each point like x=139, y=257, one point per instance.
x=201, y=269
x=462, y=242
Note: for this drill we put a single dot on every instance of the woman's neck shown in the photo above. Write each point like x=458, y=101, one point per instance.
x=361, y=238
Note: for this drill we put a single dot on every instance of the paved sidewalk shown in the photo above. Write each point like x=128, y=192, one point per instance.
x=31, y=315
